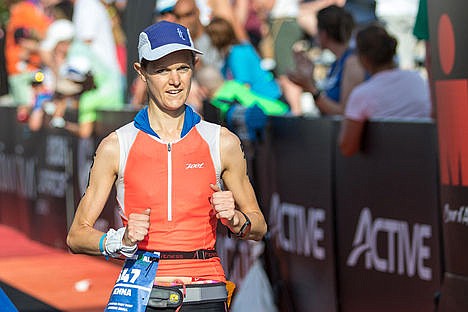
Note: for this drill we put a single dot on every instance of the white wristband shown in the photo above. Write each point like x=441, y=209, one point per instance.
x=114, y=246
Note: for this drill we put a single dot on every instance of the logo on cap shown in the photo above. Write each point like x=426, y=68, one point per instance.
x=181, y=34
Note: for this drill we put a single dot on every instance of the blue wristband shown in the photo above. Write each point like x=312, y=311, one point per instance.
x=101, y=244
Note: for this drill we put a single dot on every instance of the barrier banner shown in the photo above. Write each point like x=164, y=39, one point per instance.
x=18, y=189
x=7, y=135
x=300, y=216
x=387, y=220
x=449, y=45
x=55, y=186
x=451, y=94
x=8, y=167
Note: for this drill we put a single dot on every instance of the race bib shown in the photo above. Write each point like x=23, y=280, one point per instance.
x=133, y=287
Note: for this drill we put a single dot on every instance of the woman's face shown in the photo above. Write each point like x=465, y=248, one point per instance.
x=168, y=79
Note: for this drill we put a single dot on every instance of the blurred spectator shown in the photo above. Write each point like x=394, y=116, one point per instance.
x=93, y=26
x=389, y=93
x=243, y=111
x=290, y=22
x=118, y=34
x=27, y=25
x=285, y=32
x=307, y=17
x=252, y=16
x=227, y=9
x=50, y=108
x=69, y=57
x=54, y=49
x=188, y=15
x=398, y=18
x=335, y=27
x=241, y=61
x=85, y=84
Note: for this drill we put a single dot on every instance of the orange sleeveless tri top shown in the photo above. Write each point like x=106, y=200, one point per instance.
x=173, y=179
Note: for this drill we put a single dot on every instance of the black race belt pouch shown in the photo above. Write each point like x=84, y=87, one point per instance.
x=165, y=297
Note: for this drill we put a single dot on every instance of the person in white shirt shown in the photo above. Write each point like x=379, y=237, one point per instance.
x=94, y=27
x=389, y=93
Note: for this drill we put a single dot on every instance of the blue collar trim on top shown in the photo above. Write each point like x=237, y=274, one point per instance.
x=142, y=121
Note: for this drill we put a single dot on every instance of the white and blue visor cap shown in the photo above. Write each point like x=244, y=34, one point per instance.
x=163, y=38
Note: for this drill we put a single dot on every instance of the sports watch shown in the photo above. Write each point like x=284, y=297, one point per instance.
x=245, y=229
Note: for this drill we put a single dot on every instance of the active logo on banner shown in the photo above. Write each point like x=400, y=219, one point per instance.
x=406, y=252
x=134, y=284
x=297, y=229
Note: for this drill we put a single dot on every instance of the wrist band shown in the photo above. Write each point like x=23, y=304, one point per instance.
x=101, y=246
x=101, y=243
x=114, y=247
x=245, y=229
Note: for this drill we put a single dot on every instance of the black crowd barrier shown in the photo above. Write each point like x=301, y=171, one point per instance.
x=387, y=221
x=359, y=233
x=36, y=179
x=345, y=234
x=300, y=214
